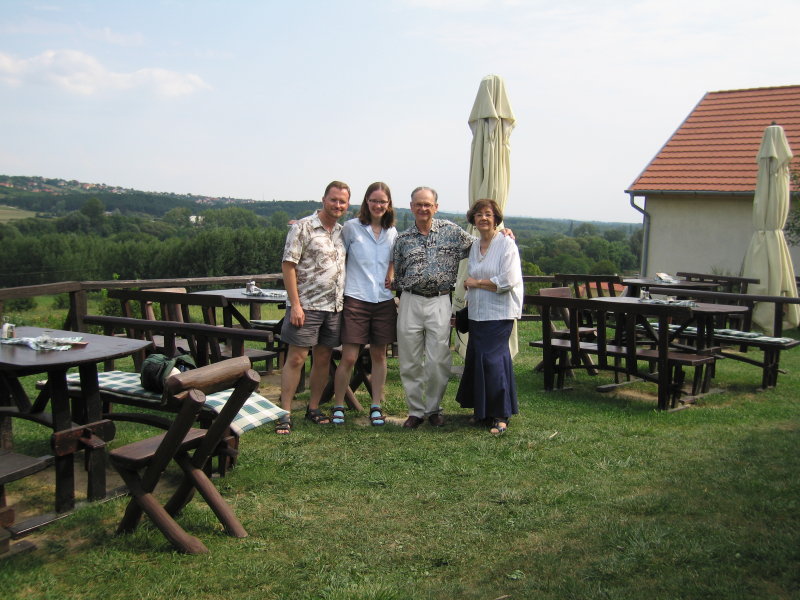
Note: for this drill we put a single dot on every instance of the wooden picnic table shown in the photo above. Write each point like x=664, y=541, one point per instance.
x=76, y=428
x=703, y=315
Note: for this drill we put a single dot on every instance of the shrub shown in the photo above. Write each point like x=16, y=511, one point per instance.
x=61, y=302
x=20, y=304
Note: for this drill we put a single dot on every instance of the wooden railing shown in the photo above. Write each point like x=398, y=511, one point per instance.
x=78, y=290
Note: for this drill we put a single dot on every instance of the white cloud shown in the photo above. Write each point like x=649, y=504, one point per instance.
x=80, y=73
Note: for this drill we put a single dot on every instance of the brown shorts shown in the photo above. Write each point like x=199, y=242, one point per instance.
x=369, y=322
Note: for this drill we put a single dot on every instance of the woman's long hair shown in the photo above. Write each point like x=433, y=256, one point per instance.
x=364, y=216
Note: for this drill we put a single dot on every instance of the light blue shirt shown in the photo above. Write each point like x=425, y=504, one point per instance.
x=367, y=261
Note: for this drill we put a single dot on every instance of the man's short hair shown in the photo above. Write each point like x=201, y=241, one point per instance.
x=339, y=185
x=430, y=189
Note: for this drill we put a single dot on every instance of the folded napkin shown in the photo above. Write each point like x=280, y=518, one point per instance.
x=43, y=342
x=670, y=302
x=281, y=294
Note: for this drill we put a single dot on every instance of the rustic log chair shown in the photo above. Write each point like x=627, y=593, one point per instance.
x=142, y=463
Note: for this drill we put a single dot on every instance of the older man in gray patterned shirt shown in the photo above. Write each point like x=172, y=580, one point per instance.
x=426, y=258
x=313, y=274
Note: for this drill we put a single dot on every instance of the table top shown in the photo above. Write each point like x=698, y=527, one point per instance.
x=700, y=307
x=680, y=283
x=239, y=295
x=21, y=359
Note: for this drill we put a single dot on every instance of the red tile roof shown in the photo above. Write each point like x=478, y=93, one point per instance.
x=714, y=149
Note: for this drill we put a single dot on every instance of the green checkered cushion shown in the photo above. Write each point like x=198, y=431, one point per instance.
x=257, y=410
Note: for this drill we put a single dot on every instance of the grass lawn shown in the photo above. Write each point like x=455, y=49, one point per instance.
x=587, y=495
x=9, y=213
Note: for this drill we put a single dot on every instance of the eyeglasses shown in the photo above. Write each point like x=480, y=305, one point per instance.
x=379, y=202
x=423, y=206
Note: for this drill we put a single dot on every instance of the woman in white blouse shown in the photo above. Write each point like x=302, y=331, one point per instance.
x=494, y=296
x=370, y=313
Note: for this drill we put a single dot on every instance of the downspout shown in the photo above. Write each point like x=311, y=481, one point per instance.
x=645, y=235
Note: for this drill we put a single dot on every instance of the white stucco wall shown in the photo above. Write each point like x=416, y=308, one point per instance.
x=700, y=234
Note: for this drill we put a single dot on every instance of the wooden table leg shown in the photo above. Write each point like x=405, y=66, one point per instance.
x=62, y=419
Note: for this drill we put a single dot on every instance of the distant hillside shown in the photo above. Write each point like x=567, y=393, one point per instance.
x=58, y=197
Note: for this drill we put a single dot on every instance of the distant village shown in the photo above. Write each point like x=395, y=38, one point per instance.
x=62, y=186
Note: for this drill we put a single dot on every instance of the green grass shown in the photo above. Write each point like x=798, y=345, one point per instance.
x=587, y=495
x=9, y=213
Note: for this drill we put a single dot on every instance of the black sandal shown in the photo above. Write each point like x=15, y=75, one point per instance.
x=499, y=427
x=284, y=425
x=315, y=415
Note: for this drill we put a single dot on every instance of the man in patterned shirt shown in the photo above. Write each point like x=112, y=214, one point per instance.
x=313, y=275
x=426, y=258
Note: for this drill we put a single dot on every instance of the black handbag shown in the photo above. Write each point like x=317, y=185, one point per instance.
x=462, y=320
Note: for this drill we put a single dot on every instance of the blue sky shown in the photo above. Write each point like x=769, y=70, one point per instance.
x=273, y=99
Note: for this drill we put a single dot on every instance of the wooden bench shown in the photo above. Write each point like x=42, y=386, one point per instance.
x=205, y=341
x=744, y=337
x=177, y=306
x=120, y=387
x=626, y=349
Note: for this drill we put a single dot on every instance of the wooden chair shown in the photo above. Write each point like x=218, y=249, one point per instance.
x=142, y=463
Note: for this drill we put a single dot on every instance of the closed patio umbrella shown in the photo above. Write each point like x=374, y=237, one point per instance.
x=491, y=122
x=767, y=257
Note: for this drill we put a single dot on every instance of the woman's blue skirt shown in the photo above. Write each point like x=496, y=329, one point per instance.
x=488, y=385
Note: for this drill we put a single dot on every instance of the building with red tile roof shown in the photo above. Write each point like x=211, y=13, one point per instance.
x=698, y=190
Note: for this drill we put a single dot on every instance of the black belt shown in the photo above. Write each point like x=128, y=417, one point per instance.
x=428, y=294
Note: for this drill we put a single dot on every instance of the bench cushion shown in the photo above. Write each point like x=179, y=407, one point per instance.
x=257, y=410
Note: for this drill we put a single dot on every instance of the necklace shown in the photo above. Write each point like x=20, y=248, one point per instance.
x=485, y=245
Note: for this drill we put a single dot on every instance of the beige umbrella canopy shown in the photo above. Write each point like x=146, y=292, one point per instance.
x=767, y=257
x=491, y=122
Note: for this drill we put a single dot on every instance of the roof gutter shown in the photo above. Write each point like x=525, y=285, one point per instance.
x=645, y=235
x=695, y=193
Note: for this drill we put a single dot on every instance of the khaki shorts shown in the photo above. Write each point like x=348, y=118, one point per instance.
x=369, y=322
x=320, y=328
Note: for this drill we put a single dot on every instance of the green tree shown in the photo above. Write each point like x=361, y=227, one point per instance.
x=94, y=209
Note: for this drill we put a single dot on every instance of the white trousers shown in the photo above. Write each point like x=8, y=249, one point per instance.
x=423, y=341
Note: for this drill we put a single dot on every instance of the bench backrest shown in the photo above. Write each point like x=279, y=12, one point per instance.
x=206, y=339
x=174, y=304
x=727, y=283
x=591, y=286
x=169, y=312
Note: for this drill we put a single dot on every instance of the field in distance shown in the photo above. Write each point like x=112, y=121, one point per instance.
x=9, y=213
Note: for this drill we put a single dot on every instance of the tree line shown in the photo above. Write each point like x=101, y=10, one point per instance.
x=189, y=240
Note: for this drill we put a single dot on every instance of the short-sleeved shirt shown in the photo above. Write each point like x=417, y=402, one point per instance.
x=367, y=261
x=429, y=263
x=320, y=258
